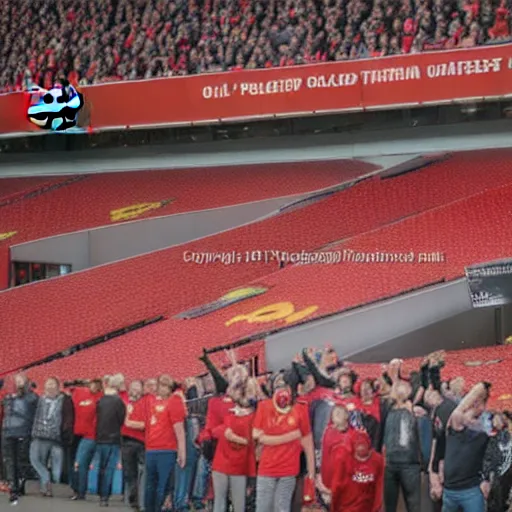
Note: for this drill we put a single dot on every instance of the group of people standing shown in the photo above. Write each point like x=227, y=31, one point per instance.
x=313, y=434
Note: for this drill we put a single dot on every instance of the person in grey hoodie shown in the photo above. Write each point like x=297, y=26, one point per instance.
x=19, y=412
x=47, y=436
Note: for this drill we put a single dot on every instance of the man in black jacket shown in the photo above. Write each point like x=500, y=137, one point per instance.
x=111, y=413
x=466, y=442
x=19, y=411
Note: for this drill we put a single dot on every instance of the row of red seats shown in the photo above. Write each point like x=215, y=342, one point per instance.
x=88, y=202
x=117, y=295
x=449, y=229
x=11, y=188
x=359, y=283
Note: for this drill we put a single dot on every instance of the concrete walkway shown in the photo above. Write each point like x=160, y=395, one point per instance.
x=61, y=503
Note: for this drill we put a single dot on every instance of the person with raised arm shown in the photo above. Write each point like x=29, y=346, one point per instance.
x=465, y=487
x=234, y=461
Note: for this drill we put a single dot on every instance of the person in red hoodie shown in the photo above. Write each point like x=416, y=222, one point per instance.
x=358, y=479
x=133, y=435
x=235, y=460
x=84, y=402
x=165, y=441
x=338, y=435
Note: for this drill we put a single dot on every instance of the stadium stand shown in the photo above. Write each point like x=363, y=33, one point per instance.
x=117, y=295
x=11, y=188
x=126, y=40
x=83, y=202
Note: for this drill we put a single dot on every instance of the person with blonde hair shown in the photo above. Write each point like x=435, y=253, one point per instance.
x=234, y=461
x=111, y=413
x=165, y=441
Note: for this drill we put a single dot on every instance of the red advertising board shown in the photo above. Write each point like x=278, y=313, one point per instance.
x=405, y=80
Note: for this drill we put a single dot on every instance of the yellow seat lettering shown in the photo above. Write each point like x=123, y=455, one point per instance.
x=5, y=236
x=300, y=315
x=136, y=210
x=273, y=313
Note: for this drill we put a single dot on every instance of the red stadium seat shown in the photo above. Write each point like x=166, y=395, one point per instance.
x=84, y=202
x=408, y=215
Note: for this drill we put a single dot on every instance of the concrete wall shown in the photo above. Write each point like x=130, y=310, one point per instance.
x=409, y=325
x=94, y=247
x=471, y=329
x=346, y=144
x=72, y=249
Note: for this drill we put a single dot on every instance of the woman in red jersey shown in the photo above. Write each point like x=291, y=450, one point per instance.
x=234, y=461
x=357, y=483
x=283, y=430
x=165, y=441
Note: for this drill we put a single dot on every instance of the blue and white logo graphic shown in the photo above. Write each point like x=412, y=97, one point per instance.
x=56, y=109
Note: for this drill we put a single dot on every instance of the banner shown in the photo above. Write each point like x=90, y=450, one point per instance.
x=490, y=284
x=386, y=82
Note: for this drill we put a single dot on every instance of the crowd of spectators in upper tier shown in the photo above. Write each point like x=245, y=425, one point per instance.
x=110, y=40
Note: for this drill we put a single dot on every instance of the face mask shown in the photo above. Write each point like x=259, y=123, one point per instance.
x=283, y=398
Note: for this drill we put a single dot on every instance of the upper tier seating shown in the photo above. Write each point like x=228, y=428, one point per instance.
x=85, y=202
x=111, y=40
x=466, y=230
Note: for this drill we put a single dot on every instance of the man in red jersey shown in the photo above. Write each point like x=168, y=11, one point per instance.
x=283, y=430
x=357, y=483
x=84, y=402
x=133, y=442
x=165, y=441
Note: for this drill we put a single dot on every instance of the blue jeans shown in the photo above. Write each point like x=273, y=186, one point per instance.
x=184, y=477
x=108, y=459
x=83, y=459
x=159, y=466
x=40, y=452
x=201, y=483
x=425, y=431
x=467, y=500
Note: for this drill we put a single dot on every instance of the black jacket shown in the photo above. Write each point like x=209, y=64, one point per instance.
x=111, y=413
x=19, y=413
x=68, y=421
